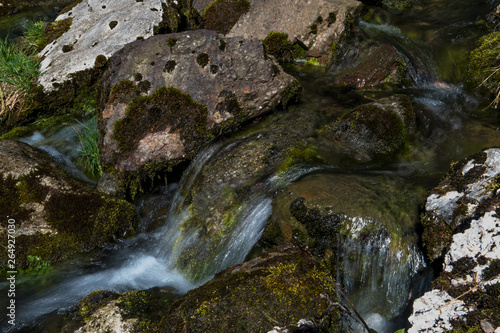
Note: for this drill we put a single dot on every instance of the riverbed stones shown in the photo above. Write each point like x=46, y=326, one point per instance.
x=99, y=28
x=166, y=96
x=370, y=131
x=462, y=233
x=55, y=216
x=315, y=24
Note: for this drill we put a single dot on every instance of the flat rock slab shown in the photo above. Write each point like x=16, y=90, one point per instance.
x=317, y=24
x=230, y=77
x=99, y=27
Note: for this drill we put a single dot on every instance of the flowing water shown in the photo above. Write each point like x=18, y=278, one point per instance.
x=452, y=123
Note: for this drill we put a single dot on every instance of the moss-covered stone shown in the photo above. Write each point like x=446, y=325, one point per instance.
x=483, y=64
x=221, y=15
x=56, y=217
x=278, y=287
x=166, y=107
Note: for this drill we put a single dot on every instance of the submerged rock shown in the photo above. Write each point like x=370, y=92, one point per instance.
x=370, y=65
x=370, y=131
x=275, y=288
x=214, y=84
x=98, y=28
x=462, y=230
x=54, y=215
x=364, y=227
x=316, y=25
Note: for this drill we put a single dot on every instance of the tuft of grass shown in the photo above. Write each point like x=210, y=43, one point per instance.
x=18, y=68
x=90, y=150
x=35, y=34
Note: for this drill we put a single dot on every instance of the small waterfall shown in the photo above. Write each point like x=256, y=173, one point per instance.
x=378, y=270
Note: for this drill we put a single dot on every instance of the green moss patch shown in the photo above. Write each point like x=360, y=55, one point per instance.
x=222, y=15
x=277, y=45
x=166, y=107
x=202, y=59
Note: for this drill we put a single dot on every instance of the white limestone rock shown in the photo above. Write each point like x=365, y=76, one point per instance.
x=434, y=311
x=91, y=35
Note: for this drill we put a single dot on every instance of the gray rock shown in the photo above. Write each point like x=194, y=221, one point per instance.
x=99, y=27
x=316, y=24
x=220, y=82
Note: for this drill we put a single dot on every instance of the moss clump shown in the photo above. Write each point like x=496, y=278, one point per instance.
x=166, y=107
x=69, y=7
x=484, y=64
x=172, y=18
x=137, y=77
x=277, y=45
x=100, y=61
x=202, y=59
x=113, y=24
x=171, y=42
x=55, y=30
x=67, y=48
x=222, y=15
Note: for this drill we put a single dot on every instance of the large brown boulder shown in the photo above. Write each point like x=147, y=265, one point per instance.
x=166, y=96
x=316, y=24
x=53, y=215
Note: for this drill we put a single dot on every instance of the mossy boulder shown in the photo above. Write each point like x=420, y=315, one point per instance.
x=189, y=92
x=314, y=25
x=277, y=287
x=363, y=227
x=55, y=216
x=483, y=64
x=90, y=35
x=370, y=131
x=370, y=65
x=462, y=239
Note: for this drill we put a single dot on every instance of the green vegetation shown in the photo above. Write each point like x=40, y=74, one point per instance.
x=484, y=65
x=277, y=44
x=202, y=59
x=35, y=34
x=222, y=15
x=90, y=149
x=18, y=69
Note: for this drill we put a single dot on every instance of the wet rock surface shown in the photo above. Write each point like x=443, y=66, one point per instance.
x=55, y=216
x=462, y=230
x=221, y=81
x=370, y=131
x=370, y=65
